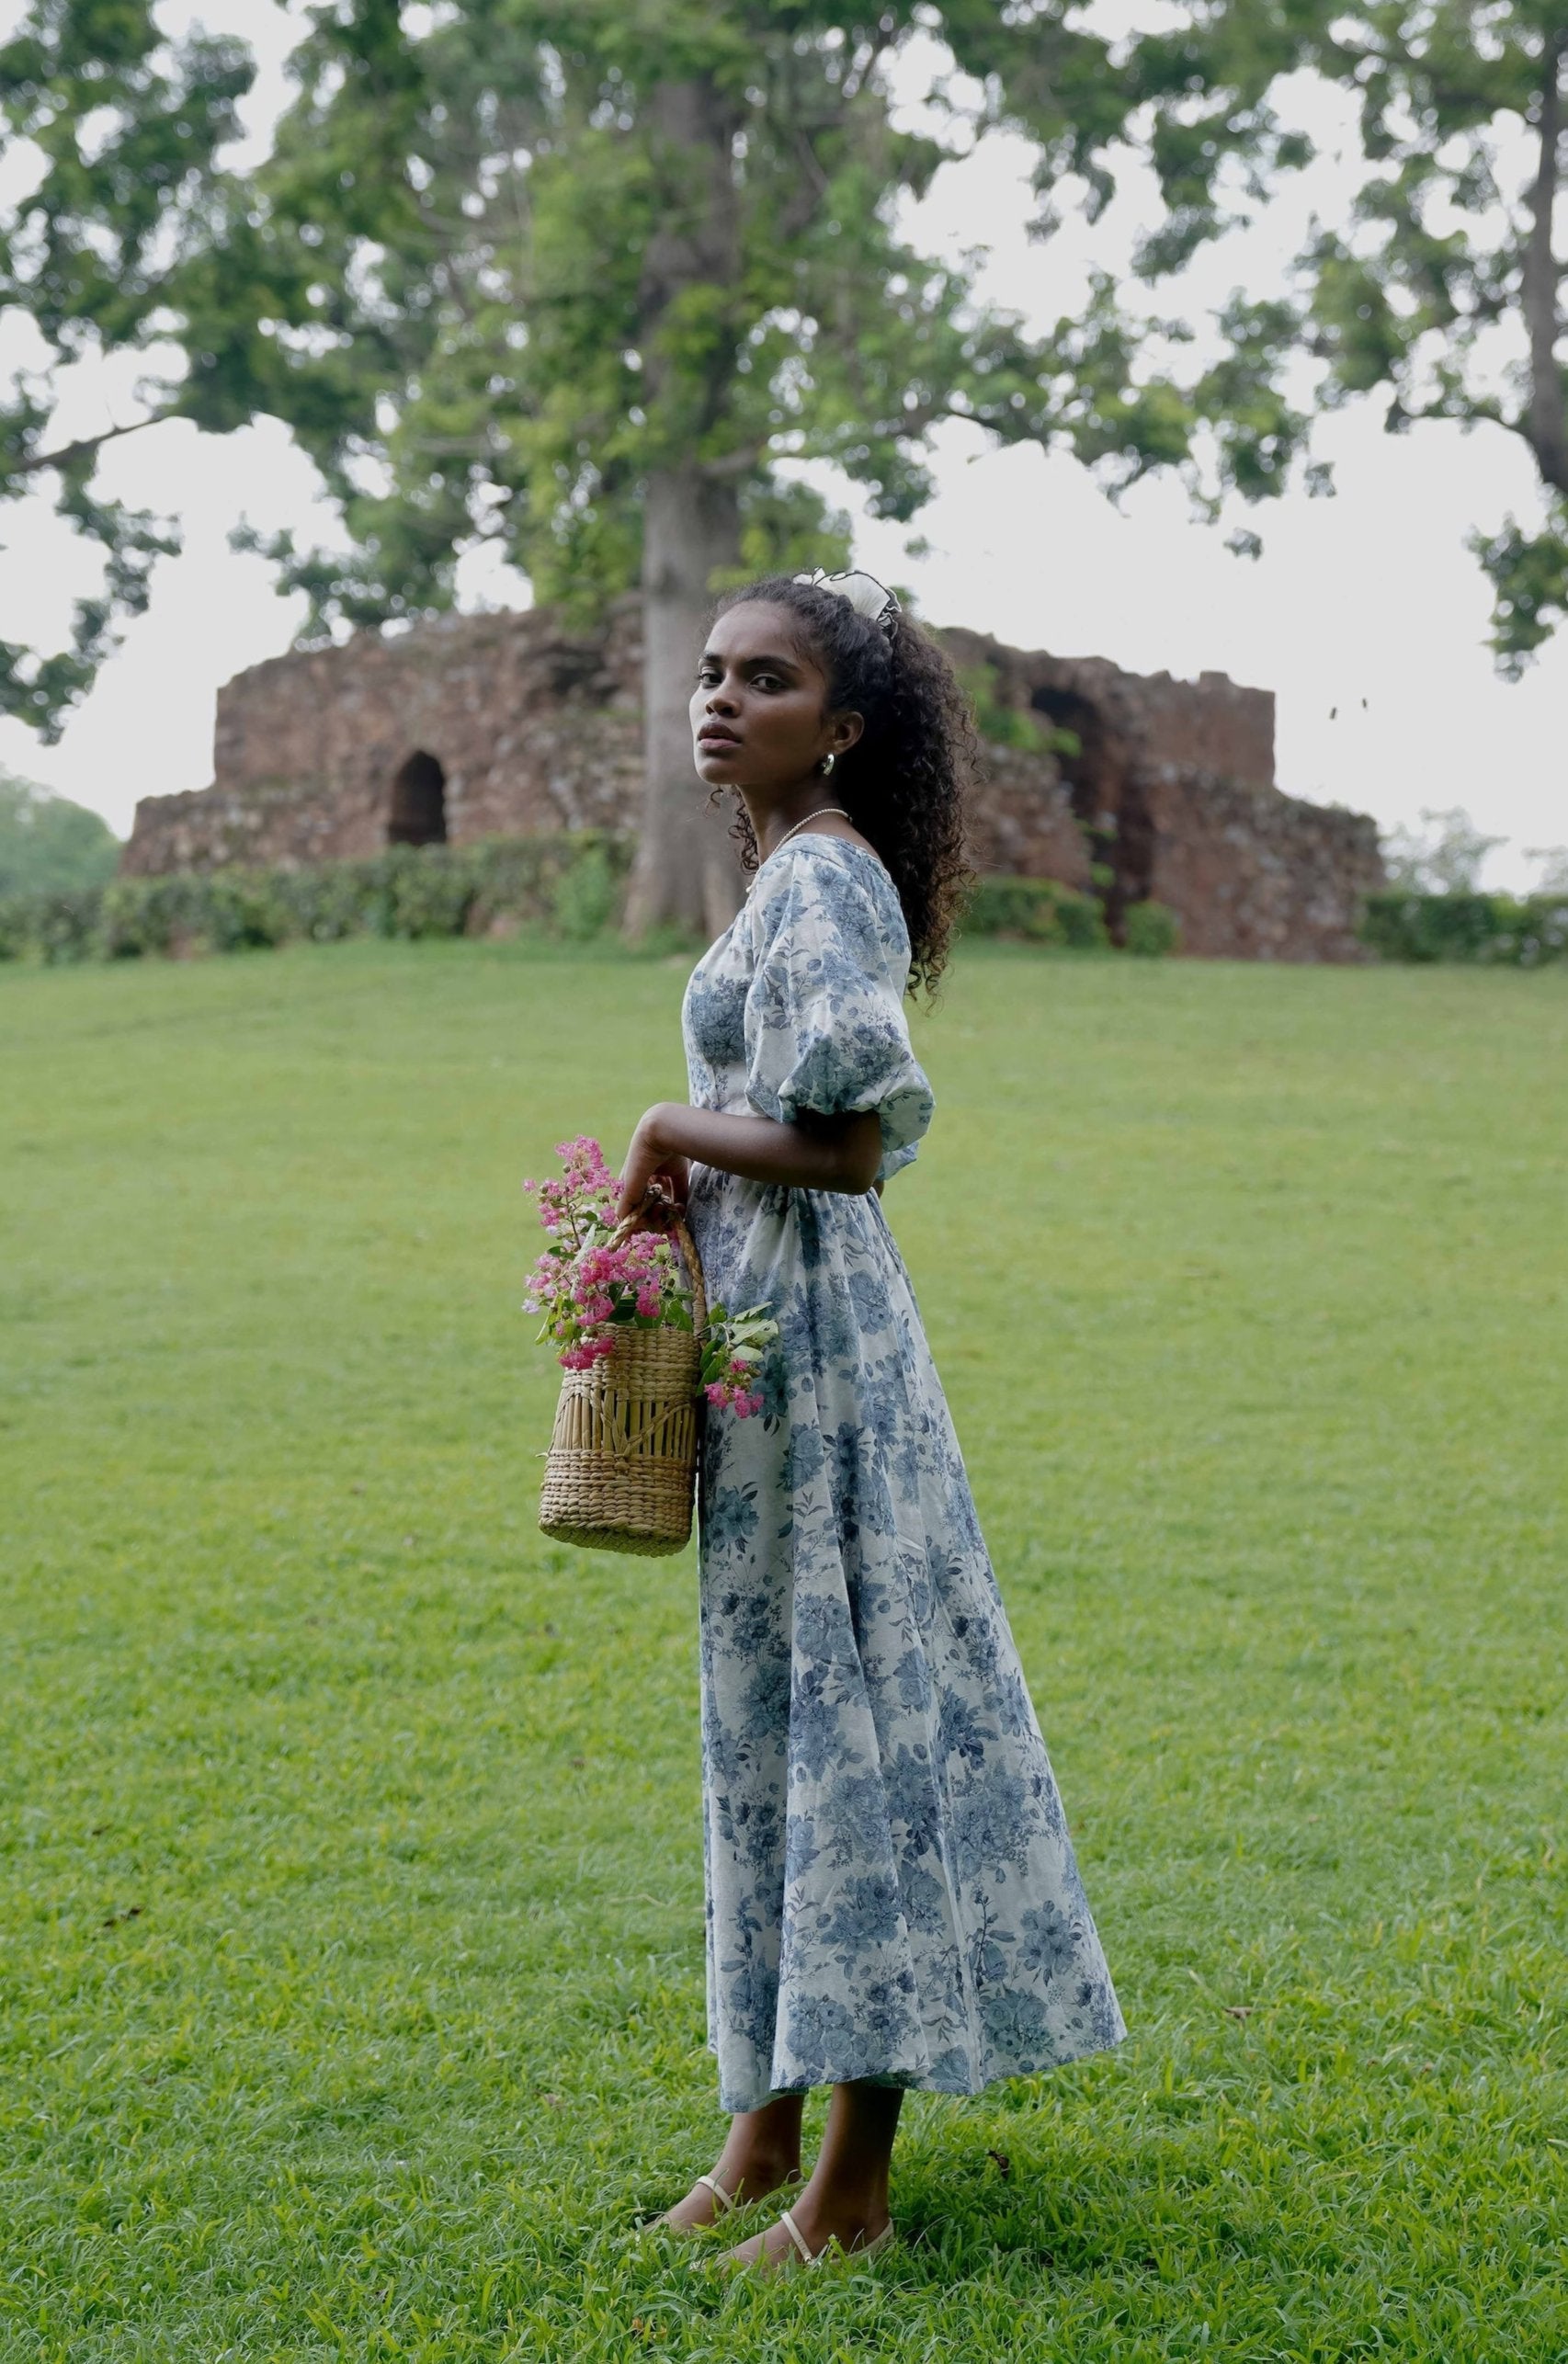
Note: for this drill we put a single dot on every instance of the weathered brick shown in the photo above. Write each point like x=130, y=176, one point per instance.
x=1170, y=791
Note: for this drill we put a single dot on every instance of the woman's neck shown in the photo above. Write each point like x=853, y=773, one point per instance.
x=772, y=821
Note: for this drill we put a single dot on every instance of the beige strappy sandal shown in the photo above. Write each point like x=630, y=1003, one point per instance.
x=724, y=2204
x=833, y=2247
x=832, y=2251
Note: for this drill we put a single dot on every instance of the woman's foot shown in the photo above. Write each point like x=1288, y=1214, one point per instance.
x=846, y=2202
x=762, y=2155
x=821, y=2220
x=703, y=2206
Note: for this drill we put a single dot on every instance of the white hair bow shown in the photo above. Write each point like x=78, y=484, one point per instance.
x=865, y=594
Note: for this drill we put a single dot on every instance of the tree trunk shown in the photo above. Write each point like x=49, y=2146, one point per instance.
x=686, y=870
x=1546, y=427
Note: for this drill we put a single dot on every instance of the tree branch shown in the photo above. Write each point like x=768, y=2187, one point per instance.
x=730, y=466
x=32, y=463
x=1546, y=420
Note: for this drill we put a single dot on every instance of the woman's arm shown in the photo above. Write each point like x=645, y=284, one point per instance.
x=820, y=1153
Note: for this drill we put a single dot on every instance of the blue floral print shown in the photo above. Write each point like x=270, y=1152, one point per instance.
x=891, y=1891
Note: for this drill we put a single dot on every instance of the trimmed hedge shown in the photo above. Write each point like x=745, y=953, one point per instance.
x=1038, y=910
x=568, y=886
x=1504, y=930
x=1153, y=931
x=1042, y=912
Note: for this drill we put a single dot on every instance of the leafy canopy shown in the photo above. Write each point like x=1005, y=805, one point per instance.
x=1443, y=292
x=484, y=282
x=507, y=258
x=49, y=846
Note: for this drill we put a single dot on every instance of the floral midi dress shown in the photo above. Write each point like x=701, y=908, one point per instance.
x=892, y=1890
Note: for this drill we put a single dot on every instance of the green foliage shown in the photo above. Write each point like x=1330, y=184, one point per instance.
x=1038, y=910
x=1443, y=854
x=48, y=844
x=1504, y=930
x=1151, y=930
x=116, y=241
x=352, y=2006
x=568, y=885
x=1004, y=725
x=1529, y=574
x=585, y=897
x=509, y=258
x=1448, y=241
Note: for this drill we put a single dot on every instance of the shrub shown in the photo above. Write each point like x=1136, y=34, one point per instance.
x=1516, y=931
x=427, y=898
x=583, y=898
x=59, y=927
x=1153, y=931
x=1039, y=910
x=50, y=846
x=568, y=883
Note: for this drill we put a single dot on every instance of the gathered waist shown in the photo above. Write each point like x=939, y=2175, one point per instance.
x=760, y=1221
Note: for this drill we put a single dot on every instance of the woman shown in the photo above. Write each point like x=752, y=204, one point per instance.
x=893, y=1900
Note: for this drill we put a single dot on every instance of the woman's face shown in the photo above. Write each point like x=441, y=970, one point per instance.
x=758, y=714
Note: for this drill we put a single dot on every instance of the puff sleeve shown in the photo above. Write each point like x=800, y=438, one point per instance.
x=825, y=1023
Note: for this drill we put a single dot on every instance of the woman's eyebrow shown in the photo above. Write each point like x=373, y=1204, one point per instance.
x=750, y=663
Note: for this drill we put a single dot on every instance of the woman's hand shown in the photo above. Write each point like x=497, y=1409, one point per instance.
x=651, y=1161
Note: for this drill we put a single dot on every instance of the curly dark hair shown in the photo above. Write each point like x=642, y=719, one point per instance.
x=905, y=782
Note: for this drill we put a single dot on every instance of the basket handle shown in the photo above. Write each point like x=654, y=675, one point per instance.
x=675, y=1227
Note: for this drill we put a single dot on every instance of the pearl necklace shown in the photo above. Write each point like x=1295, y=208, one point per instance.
x=820, y=814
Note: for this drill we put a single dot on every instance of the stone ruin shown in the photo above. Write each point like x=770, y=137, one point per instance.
x=500, y=725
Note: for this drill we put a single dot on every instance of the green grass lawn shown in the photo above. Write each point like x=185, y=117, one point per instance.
x=350, y=1916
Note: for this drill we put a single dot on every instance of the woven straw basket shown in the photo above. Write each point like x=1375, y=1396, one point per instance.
x=621, y=1468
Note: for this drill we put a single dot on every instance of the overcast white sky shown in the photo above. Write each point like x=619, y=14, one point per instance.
x=1366, y=615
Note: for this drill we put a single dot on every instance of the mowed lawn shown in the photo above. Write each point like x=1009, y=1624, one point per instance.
x=351, y=1917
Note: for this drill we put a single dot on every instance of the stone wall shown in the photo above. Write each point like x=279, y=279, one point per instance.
x=532, y=727
x=499, y=725
x=1170, y=786
x=1256, y=875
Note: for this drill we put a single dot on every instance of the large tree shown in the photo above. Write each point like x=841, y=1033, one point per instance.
x=584, y=277
x=581, y=275
x=1442, y=290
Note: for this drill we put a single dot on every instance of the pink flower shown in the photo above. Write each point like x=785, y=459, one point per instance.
x=582, y=1284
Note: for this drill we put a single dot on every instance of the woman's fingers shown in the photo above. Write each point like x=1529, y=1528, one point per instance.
x=646, y=1168
x=677, y=1173
x=637, y=1170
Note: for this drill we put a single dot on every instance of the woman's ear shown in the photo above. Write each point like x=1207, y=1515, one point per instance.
x=844, y=731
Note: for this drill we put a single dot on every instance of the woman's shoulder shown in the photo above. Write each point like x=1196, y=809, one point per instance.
x=832, y=892
x=816, y=870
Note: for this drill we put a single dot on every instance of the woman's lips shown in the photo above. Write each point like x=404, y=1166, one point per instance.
x=712, y=738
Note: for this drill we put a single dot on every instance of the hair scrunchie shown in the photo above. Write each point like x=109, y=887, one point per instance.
x=865, y=594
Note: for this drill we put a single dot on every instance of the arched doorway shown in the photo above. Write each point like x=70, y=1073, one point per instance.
x=418, y=813
x=1108, y=806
